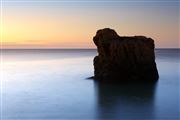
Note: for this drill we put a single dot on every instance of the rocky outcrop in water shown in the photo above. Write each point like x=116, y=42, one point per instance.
x=124, y=59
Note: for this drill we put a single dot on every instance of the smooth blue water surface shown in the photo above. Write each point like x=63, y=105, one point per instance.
x=53, y=84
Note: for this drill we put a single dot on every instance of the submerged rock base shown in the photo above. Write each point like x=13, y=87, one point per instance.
x=124, y=59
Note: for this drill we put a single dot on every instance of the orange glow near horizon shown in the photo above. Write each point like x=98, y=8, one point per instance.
x=73, y=26
x=26, y=32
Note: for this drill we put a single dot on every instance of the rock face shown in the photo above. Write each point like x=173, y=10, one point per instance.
x=124, y=59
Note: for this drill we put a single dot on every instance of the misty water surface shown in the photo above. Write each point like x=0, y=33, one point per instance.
x=52, y=84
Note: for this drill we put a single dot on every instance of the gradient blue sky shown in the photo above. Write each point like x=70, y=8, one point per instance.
x=72, y=24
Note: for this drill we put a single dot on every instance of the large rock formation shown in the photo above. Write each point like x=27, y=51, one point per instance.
x=124, y=59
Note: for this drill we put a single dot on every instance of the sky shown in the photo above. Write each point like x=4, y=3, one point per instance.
x=73, y=23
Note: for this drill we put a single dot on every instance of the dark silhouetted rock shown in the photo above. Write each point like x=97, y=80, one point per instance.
x=124, y=59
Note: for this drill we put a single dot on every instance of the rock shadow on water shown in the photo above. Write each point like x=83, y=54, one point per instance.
x=125, y=101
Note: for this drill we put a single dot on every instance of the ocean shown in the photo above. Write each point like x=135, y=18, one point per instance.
x=53, y=84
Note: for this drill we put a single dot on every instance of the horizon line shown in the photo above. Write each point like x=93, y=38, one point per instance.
x=61, y=48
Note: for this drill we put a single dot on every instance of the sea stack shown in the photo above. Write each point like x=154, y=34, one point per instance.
x=124, y=58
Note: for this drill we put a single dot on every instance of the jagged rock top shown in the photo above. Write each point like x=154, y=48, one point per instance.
x=107, y=35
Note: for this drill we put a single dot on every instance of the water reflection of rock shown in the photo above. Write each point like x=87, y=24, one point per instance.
x=127, y=101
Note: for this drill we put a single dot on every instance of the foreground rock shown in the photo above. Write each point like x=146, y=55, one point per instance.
x=124, y=59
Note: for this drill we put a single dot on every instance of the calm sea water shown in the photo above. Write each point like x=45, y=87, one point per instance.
x=53, y=84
